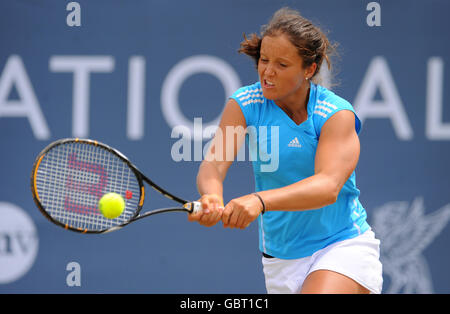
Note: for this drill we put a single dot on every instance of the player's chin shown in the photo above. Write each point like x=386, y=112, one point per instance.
x=269, y=94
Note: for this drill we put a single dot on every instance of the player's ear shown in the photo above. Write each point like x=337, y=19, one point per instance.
x=310, y=70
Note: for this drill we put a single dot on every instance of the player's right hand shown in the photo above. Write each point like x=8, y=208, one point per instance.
x=211, y=213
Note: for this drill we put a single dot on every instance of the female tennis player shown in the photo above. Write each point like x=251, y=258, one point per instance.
x=313, y=232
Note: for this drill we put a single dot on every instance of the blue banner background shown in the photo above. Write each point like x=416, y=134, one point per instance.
x=166, y=253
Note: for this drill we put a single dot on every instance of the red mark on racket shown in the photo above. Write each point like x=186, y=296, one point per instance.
x=128, y=194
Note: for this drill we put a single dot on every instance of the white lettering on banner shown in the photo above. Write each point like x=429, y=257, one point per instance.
x=136, y=98
x=15, y=75
x=378, y=76
x=174, y=80
x=435, y=129
x=81, y=66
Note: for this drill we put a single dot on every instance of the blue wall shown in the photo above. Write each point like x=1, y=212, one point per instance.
x=394, y=74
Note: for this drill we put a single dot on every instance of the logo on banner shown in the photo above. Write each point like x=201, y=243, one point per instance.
x=405, y=231
x=18, y=242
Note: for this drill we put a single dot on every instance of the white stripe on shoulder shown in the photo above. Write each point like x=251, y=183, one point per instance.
x=250, y=95
x=253, y=101
x=324, y=108
x=323, y=102
x=320, y=113
x=249, y=91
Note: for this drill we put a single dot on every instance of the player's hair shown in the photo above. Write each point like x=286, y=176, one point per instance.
x=312, y=44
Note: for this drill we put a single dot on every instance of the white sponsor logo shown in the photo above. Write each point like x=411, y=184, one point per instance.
x=18, y=242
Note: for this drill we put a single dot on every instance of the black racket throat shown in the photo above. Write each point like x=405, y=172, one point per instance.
x=159, y=211
x=161, y=190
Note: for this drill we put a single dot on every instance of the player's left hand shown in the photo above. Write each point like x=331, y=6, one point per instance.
x=240, y=212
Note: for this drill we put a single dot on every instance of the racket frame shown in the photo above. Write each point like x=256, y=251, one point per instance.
x=187, y=206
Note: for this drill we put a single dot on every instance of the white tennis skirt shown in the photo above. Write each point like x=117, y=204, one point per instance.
x=357, y=258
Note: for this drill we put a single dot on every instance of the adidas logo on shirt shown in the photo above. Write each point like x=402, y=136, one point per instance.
x=295, y=143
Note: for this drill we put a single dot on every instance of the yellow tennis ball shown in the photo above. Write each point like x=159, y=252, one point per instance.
x=111, y=205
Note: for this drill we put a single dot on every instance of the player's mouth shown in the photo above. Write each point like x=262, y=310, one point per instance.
x=268, y=84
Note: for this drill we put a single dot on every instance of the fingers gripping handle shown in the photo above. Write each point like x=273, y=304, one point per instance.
x=193, y=207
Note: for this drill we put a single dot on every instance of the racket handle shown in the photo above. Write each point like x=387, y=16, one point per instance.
x=193, y=207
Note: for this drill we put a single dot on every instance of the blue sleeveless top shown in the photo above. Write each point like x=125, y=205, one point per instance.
x=283, y=153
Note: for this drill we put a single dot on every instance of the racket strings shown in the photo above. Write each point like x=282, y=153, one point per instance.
x=72, y=178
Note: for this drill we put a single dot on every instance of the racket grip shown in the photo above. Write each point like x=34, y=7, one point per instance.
x=193, y=207
x=197, y=206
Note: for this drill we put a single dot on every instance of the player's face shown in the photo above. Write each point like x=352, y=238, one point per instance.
x=280, y=68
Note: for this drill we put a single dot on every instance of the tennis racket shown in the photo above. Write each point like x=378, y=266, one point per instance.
x=71, y=175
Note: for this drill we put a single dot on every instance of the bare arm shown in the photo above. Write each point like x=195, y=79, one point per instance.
x=222, y=151
x=214, y=168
